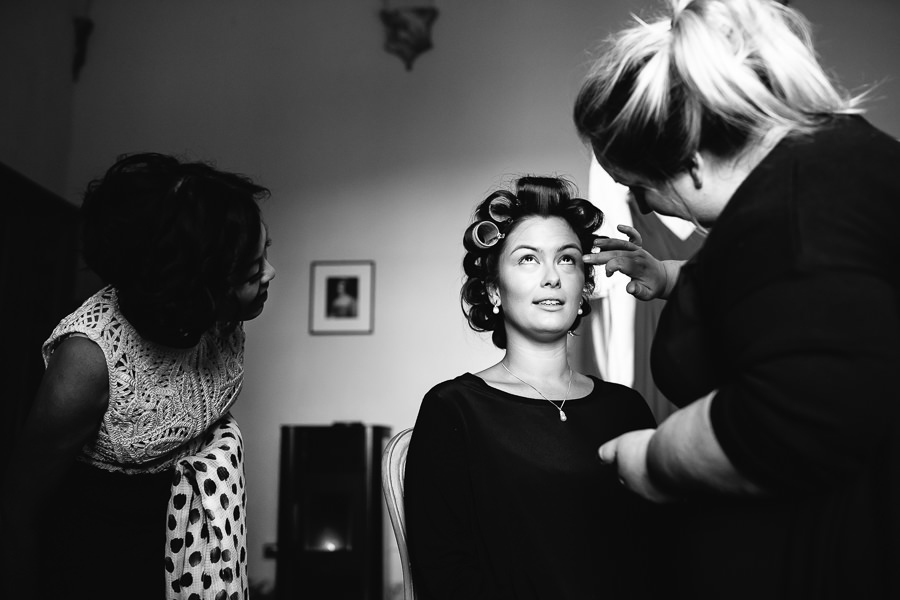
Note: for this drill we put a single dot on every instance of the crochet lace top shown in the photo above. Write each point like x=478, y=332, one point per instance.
x=161, y=400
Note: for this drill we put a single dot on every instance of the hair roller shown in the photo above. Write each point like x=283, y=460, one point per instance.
x=589, y=216
x=482, y=236
x=503, y=207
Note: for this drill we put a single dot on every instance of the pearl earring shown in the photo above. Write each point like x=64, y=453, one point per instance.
x=580, y=312
x=496, y=310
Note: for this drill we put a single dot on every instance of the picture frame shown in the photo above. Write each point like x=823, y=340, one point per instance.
x=342, y=297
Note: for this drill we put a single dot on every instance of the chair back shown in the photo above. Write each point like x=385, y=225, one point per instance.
x=393, y=471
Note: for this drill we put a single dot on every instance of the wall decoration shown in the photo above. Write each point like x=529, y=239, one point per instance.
x=342, y=297
x=408, y=31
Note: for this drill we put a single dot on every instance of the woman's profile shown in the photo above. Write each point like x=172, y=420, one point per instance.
x=127, y=479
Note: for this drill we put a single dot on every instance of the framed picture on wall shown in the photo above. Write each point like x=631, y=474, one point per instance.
x=342, y=297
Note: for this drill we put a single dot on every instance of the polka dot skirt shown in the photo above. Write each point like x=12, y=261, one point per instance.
x=206, y=556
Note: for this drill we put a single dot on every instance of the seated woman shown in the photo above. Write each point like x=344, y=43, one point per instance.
x=505, y=496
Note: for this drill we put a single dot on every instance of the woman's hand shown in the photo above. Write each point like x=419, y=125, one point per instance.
x=628, y=454
x=650, y=278
x=682, y=454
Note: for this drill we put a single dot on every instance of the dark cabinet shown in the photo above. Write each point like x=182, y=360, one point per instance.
x=330, y=512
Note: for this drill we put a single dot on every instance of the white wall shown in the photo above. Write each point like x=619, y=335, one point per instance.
x=368, y=161
x=365, y=161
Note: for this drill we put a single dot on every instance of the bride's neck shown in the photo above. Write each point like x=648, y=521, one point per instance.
x=545, y=363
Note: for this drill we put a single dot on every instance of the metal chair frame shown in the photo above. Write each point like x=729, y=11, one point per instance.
x=393, y=472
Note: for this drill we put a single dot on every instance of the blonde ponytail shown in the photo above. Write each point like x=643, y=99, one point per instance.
x=710, y=75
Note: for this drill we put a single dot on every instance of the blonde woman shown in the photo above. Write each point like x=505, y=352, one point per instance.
x=779, y=340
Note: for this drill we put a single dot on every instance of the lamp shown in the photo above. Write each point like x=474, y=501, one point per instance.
x=408, y=31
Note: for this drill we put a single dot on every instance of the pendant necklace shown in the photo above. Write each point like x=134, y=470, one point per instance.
x=562, y=413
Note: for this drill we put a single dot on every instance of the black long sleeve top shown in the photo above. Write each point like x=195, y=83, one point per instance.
x=791, y=311
x=505, y=501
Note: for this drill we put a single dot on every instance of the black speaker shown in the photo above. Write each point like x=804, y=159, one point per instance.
x=330, y=512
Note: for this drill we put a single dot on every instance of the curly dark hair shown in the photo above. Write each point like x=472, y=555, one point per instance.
x=171, y=237
x=533, y=196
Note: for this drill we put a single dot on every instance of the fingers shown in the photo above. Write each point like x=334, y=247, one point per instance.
x=605, y=248
x=602, y=258
x=628, y=264
x=639, y=290
x=608, y=451
x=604, y=244
x=633, y=235
x=624, y=262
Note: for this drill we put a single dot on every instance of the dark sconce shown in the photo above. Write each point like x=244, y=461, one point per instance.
x=83, y=28
x=408, y=31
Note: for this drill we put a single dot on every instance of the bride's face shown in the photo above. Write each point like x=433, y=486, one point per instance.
x=540, y=278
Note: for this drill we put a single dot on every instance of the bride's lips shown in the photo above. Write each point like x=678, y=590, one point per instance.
x=550, y=303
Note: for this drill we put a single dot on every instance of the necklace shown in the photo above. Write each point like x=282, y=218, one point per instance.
x=562, y=413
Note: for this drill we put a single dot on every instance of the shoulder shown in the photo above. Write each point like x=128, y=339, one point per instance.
x=616, y=391
x=842, y=205
x=848, y=131
x=80, y=355
x=452, y=390
x=90, y=319
x=440, y=420
x=847, y=153
x=818, y=202
x=837, y=161
x=625, y=401
x=446, y=401
x=459, y=384
x=77, y=379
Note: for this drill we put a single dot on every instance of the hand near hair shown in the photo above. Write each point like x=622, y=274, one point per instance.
x=650, y=278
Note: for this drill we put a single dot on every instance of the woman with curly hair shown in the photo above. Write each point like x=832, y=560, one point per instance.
x=127, y=479
x=504, y=494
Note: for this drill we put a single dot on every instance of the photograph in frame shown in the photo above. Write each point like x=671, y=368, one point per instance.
x=342, y=297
